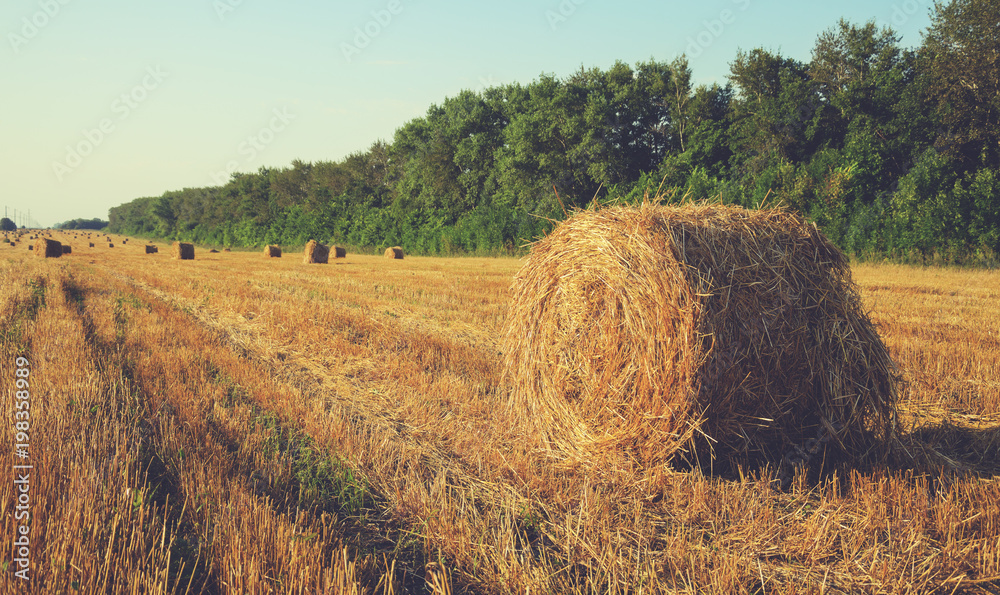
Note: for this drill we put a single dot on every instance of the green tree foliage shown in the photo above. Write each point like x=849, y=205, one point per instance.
x=961, y=62
x=7, y=224
x=95, y=223
x=892, y=151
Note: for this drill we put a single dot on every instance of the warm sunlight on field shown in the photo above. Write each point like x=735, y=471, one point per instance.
x=242, y=424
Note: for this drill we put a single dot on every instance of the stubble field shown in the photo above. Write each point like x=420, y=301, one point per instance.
x=239, y=424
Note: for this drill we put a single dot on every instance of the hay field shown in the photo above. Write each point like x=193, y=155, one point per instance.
x=237, y=424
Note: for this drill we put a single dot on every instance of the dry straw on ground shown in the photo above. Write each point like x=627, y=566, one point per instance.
x=47, y=248
x=395, y=252
x=149, y=249
x=316, y=253
x=711, y=333
x=272, y=251
x=339, y=252
x=183, y=251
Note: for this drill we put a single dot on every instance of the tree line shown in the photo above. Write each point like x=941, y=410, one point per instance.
x=892, y=151
x=95, y=224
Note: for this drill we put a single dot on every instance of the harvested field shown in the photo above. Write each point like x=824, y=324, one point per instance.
x=247, y=420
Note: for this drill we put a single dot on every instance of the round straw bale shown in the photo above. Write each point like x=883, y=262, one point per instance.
x=91, y=244
x=183, y=251
x=151, y=249
x=213, y=251
x=110, y=245
x=395, y=253
x=67, y=249
x=316, y=253
x=272, y=251
x=705, y=333
x=47, y=248
x=339, y=252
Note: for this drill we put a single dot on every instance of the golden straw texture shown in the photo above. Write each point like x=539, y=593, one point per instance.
x=713, y=333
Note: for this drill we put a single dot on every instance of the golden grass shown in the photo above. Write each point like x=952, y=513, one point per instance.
x=231, y=380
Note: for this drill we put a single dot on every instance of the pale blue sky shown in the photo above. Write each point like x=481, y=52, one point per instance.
x=168, y=94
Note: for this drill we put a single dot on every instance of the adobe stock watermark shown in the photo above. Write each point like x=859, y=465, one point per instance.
x=31, y=26
x=254, y=144
x=713, y=29
x=563, y=11
x=224, y=7
x=22, y=470
x=364, y=34
x=122, y=107
x=901, y=13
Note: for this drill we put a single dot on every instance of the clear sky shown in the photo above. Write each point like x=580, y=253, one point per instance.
x=104, y=101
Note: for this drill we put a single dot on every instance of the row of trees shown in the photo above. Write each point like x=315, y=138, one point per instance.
x=95, y=223
x=892, y=151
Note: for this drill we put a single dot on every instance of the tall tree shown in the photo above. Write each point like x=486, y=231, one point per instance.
x=961, y=58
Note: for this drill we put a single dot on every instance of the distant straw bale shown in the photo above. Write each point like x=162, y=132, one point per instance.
x=67, y=249
x=91, y=244
x=151, y=249
x=316, y=253
x=705, y=333
x=395, y=253
x=213, y=251
x=110, y=245
x=182, y=251
x=47, y=248
x=272, y=251
x=339, y=252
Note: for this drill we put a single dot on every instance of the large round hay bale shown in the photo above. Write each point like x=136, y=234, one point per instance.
x=395, y=253
x=150, y=249
x=316, y=253
x=715, y=334
x=272, y=251
x=339, y=252
x=183, y=251
x=47, y=248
